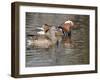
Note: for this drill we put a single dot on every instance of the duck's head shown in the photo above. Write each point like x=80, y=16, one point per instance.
x=45, y=27
x=68, y=22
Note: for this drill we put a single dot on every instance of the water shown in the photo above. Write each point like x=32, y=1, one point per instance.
x=67, y=51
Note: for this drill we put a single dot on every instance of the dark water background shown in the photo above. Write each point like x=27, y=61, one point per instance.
x=68, y=51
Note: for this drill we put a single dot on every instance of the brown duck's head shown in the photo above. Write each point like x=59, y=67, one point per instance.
x=68, y=25
x=68, y=22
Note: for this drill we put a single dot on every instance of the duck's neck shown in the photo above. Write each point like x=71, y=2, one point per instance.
x=52, y=34
x=46, y=30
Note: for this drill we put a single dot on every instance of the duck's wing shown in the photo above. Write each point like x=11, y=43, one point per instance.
x=40, y=28
x=41, y=32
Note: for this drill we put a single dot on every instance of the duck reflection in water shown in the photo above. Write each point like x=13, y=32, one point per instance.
x=67, y=42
